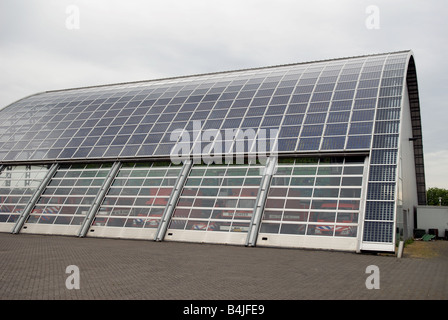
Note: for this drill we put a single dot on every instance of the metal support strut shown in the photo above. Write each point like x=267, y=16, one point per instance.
x=254, y=227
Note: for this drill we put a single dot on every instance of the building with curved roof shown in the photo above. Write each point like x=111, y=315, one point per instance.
x=325, y=154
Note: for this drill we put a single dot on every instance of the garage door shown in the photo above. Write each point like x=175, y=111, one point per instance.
x=314, y=203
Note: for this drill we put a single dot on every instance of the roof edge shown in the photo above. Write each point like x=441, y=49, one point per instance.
x=230, y=71
x=417, y=135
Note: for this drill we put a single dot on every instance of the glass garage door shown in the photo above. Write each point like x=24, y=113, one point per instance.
x=135, y=201
x=216, y=204
x=314, y=203
x=17, y=186
x=63, y=205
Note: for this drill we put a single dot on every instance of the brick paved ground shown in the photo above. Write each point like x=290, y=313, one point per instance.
x=33, y=267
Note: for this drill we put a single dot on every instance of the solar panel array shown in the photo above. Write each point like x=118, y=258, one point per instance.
x=351, y=104
x=321, y=106
x=382, y=188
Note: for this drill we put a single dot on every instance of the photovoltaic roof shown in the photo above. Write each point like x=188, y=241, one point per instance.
x=323, y=106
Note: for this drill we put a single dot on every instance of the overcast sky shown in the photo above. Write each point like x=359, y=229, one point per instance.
x=44, y=46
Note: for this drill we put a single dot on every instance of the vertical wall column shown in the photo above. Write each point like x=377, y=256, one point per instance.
x=166, y=216
x=99, y=199
x=257, y=214
x=29, y=207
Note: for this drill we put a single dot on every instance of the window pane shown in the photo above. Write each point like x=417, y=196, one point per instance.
x=328, y=181
x=295, y=216
x=322, y=216
x=320, y=230
x=350, y=193
x=298, y=229
x=351, y=181
x=346, y=231
x=326, y=193
x=269, y=228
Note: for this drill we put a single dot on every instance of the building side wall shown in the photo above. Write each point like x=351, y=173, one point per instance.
x=407, y=189
x=429, y=217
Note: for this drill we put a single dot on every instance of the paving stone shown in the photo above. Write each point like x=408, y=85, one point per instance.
x=33, y=267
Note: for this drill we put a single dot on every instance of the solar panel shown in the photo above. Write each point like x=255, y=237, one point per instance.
x=136, y=119
x=351, y=104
